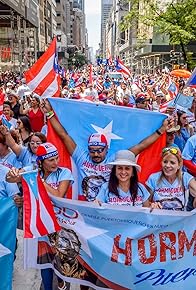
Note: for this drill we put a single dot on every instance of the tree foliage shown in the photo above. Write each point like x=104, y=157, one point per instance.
x=174, y=18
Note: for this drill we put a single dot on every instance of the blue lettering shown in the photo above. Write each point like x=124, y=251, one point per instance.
x=161, y=277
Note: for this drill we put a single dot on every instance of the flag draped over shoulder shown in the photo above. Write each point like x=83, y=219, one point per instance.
x=8, y=222
x=39, y=217
x=124, y=128
x=43, y=77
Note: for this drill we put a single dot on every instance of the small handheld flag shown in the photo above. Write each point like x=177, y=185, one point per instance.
x=39, y=216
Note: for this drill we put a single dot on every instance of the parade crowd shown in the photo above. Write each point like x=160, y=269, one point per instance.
x=24, y=147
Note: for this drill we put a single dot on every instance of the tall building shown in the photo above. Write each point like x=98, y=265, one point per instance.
x=106, y=6
x=78, y=4
x=19, y=24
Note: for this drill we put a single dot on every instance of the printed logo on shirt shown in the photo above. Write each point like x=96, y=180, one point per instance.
x=164, y=191
x=91, y=186
x=127, y=200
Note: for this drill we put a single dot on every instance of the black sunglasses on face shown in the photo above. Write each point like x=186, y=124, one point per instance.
x=99, y=150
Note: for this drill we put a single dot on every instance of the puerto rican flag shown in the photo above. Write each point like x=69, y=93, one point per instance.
x=43, y=77
x=79, y=82
x=39, y=216
x=99, y=86
x=89, y=118
x=120, y=67
x=172, y=89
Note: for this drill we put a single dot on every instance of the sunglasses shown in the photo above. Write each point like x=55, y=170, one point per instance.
x=171, y=133
x=174, y=151
x=99, y=150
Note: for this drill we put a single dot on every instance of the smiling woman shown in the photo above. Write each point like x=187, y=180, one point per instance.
x=168, y=186
x=123, y=187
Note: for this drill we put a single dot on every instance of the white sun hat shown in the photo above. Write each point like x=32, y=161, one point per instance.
x=125, y=157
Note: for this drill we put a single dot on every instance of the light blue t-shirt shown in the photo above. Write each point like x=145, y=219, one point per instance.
x=180, y=140
x=171, y=196
x=91, y=175
x=7, y=189
x=26, y=157
x=10, y=160
x=124, y=198
x=59, y=175
x=189, y=152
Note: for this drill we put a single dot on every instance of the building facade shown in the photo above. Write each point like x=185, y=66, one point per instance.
x=106, y=6
x=19, y=24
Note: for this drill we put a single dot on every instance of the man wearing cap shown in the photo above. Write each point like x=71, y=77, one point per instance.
x=92, y=163
x=142, y=101
x=13, y=100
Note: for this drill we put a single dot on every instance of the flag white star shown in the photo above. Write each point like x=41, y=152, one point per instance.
x=4, y=251
x=107, y=132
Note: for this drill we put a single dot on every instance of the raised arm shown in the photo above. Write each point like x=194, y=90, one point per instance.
x=10, y=140
x=61, y=132
x=152, y=138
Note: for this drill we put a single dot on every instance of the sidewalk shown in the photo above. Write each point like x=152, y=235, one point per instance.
x=30, y=279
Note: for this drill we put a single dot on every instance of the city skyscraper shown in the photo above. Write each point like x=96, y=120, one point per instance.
x=106, y=6
x=79, y=4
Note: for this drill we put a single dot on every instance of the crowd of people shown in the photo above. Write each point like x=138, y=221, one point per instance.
x=24, y=146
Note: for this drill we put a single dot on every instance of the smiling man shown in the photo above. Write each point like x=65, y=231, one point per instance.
x=92, y=162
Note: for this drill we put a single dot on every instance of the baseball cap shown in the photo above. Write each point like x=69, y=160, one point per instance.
x=46, y=150
x=125, y=157
x=140, y=100
x=139, y=95
x=97, y=139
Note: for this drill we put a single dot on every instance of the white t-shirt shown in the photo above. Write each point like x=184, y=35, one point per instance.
x=171, y=196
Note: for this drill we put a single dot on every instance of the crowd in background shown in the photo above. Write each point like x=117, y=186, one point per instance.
x=23, y=134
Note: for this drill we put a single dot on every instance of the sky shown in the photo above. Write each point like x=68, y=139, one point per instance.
x=93, y=22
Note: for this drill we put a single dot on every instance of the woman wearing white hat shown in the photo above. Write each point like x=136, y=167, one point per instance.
x=123, y=187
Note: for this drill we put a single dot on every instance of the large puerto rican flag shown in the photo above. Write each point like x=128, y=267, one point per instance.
x=39, y=216
x=123, y=127
x=43, y=77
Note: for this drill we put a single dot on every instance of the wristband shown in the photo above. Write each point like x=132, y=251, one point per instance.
x=49, y=117
x=48, y=114
x=158, y=132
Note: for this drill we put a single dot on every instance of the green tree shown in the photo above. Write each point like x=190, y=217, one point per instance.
x=77, y=59
x=175, y=18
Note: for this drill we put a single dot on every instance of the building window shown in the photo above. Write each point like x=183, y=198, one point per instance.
x=58, y=14
x=58, y=1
